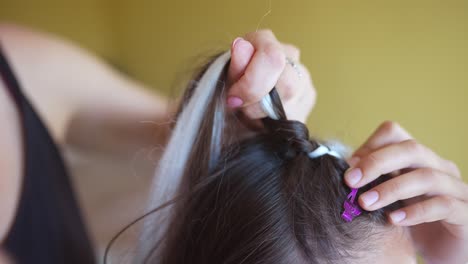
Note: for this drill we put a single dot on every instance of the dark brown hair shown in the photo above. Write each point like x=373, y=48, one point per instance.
x=259, y=198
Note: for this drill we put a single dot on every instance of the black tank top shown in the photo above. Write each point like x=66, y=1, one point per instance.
x=48, y=228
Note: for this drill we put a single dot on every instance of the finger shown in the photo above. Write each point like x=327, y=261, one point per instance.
x=388, y=132
x=241, y=53
x=263, y=71
x=449, y=209
x=406, y=154
x=254, y=111
x=292, y=52
x=300, y=105
x=289, y=87
x=415, y=183
x=290, y=84
x=452, y=168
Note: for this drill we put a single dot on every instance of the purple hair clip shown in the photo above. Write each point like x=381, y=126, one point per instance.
x=351, y=208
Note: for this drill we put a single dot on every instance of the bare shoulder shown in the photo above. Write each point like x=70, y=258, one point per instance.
x=10, y=161
x=62, y=79
x=41, y=63
x=29, y=54
x=17, y=33
x=39, y=50
x=41, y=46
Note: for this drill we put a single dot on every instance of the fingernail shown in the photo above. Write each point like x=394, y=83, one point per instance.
x=398, y=216
x=234, y=101
x=369, y=198
x=353, y=176
x=236, y=41
x=353, y=161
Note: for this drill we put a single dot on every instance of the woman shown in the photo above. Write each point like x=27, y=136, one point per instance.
x=257, y=64
x=51, y=89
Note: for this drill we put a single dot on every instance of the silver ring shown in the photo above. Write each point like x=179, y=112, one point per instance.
x=295, y=66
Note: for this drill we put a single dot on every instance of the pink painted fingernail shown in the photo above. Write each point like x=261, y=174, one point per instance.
x=236, y=41
x=369, y=198
x=353, y=176
x=353, y=161
x=398, y=216
x=234, y=101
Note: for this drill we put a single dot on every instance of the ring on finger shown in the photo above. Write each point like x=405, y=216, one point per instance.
x=295, y=66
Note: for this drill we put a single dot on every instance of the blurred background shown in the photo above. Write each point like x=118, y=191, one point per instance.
x=370, y=60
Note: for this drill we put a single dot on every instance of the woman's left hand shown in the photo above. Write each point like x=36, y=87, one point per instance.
x=434, y=195
x=260, y=62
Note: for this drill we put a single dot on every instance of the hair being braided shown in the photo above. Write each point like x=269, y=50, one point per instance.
x=257, y=200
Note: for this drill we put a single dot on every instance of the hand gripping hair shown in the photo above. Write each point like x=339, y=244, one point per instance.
x=229, y=193
x=351, y=208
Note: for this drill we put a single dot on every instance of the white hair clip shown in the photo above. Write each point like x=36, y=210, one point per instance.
x=323, y=150
x=267, y=107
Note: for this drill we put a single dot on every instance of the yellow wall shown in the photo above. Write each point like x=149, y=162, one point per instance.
x=371, y=60
x=85, y=21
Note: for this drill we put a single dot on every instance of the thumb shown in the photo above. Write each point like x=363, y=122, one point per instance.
x=242, y=52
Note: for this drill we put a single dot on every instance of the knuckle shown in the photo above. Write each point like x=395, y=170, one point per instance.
x=389, y=127
x=275, y=56
x=413, y=146
x=430, y=179
x=267, y=31
x=292, y=49
x=260, y=32
x=252, y=95
x=452, y=166
x=247, y=90
x=362, y=151
x=287, y=90
x=370, y=162
x=430, y=175
x=254, y=111
x=391, y=190
x=448, y=202
x=420, y=209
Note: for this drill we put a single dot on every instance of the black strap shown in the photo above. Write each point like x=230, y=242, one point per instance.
x=10, y=81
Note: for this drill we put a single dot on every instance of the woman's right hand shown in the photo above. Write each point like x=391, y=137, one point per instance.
x=434, y=196
x=259, y=62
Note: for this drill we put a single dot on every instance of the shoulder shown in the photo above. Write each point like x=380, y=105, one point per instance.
x=61, y=56
x=37, y=48
x=28, y=40
x=54, y=73
x=26, y=52
x=10, y=160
